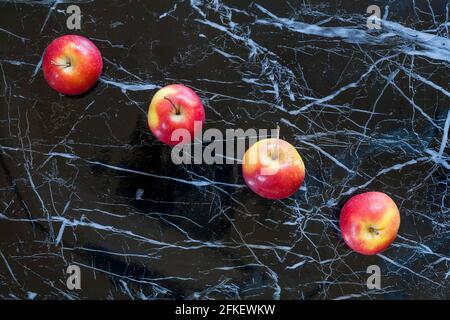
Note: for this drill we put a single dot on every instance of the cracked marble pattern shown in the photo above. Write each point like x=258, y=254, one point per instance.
x=83, y=181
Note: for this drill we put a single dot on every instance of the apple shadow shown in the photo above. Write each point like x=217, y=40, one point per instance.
x=186, y=202
x=84, y=94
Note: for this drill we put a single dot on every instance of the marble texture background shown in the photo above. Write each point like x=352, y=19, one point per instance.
x=83, y=181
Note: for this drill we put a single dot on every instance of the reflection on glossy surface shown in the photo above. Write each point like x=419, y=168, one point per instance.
x=84, y=182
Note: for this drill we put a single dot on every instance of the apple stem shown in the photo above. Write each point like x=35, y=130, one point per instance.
x=65, y=65
x=177, y=110
x=373, y=230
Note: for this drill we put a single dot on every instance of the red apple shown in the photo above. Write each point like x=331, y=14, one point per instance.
x=175, y=107
x=369, y=222
x=72, y=64
x=273, y=169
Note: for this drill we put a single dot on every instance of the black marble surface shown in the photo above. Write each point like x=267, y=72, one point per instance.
x=83, y=181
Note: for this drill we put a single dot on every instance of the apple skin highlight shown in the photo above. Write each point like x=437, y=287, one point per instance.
x=369, y=222
x=72, y=64
x=273, y=178
x=175, y=107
